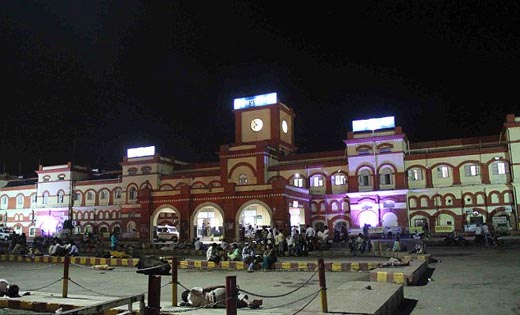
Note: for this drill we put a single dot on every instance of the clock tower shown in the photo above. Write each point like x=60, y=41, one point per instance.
x=263, y=118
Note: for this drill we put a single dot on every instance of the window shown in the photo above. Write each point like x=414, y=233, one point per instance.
x=317, y=181
x=61, y=177
x=34, y=198
x=46, y=178
x=340, y=179
x=385, y=150
x=60, y=197
x=117, y=193
x=471, y=170
x=133, y=193
x=443, y=172
x=386, y=177
x=499, y=168
x=45, y=199
x=77, y=196
x=298, y=181
x=3, y=202
x=363, y=151
x=132, y=171
x=415, y=174
x=90, y=195
x=104, y=195
x=146, y=169
x=242, y=179
x=364, y=178
x=32, y=232
x=19, y=200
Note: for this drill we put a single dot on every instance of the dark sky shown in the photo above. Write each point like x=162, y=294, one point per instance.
x=84, y=80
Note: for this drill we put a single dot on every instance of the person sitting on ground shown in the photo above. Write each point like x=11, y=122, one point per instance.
x=269, y=258
x=394, y=262
x=197, y=244
x=248, y=256
x=10, y=290
x=212, y=254
x=214, y=296
x=234, y=254
x=73, y=249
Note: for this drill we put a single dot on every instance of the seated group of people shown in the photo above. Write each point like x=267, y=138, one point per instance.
x=247, y=254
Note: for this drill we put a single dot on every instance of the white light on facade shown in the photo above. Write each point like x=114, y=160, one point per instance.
x=141, y=151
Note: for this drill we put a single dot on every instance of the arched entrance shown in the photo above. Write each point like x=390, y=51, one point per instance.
x=368, y=217
x=390, y=220
x=164, y=215
x=208, y=223
x=255, y=213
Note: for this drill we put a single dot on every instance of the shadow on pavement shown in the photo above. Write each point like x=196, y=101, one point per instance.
x=427, y=277
x=406, y=307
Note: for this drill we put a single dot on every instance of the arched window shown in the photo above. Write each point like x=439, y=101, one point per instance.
x=298, y=181
x=386, y=177
x=61, y=195
x=133, y=193
x=45, y=199
x=117, y=193
x=364, y=178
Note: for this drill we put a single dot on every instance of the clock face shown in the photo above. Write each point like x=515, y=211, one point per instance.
x=285, y=128
x=257, y=124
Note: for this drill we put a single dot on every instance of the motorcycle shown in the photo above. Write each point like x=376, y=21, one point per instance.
x=453, y=239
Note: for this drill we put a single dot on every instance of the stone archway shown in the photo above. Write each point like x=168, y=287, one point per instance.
x=164, y=215
x=255, y=213
x=207, y=223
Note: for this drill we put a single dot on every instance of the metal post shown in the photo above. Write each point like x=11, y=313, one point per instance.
x=65, y=288
x=154, y=295
x=174, y=281
x=231, y=295
x=323, y=286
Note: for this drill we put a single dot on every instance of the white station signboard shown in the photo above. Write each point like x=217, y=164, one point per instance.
x=141, y=151
x=255, y=101
x=373, y=124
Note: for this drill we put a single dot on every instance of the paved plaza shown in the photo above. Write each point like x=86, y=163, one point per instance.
x=466, y=280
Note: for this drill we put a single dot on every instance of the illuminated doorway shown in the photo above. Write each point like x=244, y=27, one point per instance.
x=208, y=224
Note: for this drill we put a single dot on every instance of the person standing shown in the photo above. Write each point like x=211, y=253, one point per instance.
x=426, y=230
x=485, y=234
x=478, y=234
x=113, y=241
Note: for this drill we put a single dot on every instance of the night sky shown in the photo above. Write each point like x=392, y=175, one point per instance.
x=84, y=80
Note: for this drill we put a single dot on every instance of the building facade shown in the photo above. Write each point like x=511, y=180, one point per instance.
x=378, y=178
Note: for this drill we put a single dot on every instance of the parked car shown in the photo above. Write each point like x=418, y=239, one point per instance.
x=167, y=233
x=5, y=233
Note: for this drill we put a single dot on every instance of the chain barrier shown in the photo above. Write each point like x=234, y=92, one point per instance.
x=307, y=304
x=95, y=292
x=284, y=294
x=313, y=295
x=45, y=286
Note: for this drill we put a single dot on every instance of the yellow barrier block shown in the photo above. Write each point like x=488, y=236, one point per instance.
x=110, y=312
x=224, y=264
x=103, y=261
x=83, y=260
x=20, y=258
x=354, y=266
x=113, y=262
x=381, y=276
x=286, y=266
x=26, y=305
x=398, y=277
x=302, y=266
x=3, y=303
x=184, y=264
x=211, y=265
x=372, y=265
x=240, y=265
x=197, y=264
x=336, y=267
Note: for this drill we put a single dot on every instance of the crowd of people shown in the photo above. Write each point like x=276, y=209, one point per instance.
x=42, y=245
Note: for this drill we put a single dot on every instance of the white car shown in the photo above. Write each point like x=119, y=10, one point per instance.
x=167, y=233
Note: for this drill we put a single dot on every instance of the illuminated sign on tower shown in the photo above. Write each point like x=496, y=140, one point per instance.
x=373, y=124
x=255, y=101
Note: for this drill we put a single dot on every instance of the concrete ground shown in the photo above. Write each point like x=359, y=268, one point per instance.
x=466, y=280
